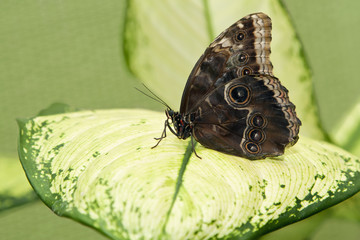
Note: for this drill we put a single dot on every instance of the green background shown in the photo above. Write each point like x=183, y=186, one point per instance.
x=70, y=51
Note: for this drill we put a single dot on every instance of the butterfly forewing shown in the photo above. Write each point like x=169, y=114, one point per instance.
x=242, y=49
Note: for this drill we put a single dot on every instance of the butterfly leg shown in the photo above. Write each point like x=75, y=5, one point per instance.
x=193, y=147
x=163, y=135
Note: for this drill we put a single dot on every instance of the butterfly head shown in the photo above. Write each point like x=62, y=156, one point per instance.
x=181, y=127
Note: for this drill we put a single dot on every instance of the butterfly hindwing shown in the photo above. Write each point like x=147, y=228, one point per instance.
x=250, y=116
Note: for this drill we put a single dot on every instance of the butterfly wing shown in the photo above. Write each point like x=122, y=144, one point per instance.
x=242, y=49
x=249, y=116
x=240, y=108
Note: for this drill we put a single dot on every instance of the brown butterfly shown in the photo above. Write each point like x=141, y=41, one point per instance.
x=232, y=102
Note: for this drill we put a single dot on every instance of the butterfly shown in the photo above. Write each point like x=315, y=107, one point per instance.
x=232, y=102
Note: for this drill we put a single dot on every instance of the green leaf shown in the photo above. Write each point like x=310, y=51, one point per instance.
x=98, y=168
x=56, y=108
x=347, y=133
x=301, y=230
x=163, y=41
x=14, y=188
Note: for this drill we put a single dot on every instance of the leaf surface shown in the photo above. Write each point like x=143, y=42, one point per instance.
x=98, y=167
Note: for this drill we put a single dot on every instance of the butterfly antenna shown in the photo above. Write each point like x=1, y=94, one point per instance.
x=157, y=100
x=154, y=96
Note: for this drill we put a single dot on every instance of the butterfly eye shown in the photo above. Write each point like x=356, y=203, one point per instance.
x=256, y=135
x=240, y=36
x=252, y=148
x=258, y=121
x=246, y=71
x=243, y=57
x=239, y=94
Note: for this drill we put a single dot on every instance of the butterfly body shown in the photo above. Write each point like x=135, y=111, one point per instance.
x=232, y=102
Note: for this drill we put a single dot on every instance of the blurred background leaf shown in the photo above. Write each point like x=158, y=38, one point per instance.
x=70, y=51
x=14, y=188
x=166, y=45
x=347, y=132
